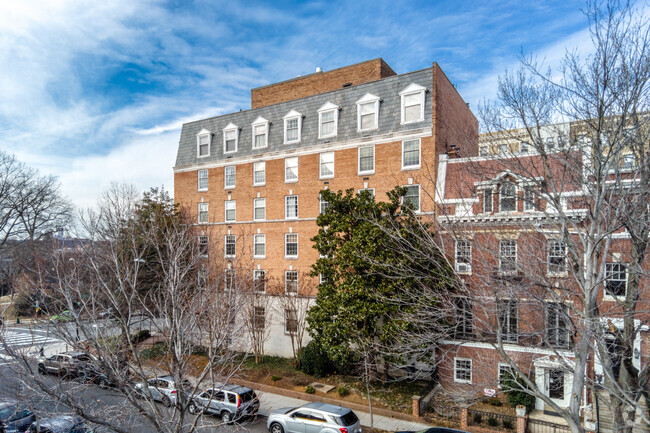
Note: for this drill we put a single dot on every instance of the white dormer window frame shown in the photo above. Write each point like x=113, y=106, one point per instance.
x=231, y=127
x=328, y=108
x=263, y=123
x=412, y=90
x=204, y=133
x=368, y=100
x=289, y=117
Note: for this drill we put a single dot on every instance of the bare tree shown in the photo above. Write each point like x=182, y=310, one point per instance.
x=292, y=302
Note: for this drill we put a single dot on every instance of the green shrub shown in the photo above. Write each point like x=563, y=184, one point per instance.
x=507, y=424
x=492, y=421
x=275, y=378
x=478, y=418
x=314, y=361
x=309, y=389
x=140, y=336
x=155, y=351
x=343, y=390
x=494, y=401
x=518, y=392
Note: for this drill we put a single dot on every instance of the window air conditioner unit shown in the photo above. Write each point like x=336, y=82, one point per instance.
x=463, y=267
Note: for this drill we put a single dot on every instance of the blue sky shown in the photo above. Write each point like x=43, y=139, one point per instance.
x=95, y=92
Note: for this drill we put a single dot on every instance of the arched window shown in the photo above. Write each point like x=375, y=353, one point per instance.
x=507, y=197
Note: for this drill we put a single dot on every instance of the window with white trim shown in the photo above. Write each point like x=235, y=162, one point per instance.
x=506, y=372
x=487, y=200
x=368, y=112
x=291, y=245
x=203, y=144
x=328, y=117
x=412, y=102
x=203, y=213
x=259, y=246
x=229, y=179
x=230, y=208
x=507, y=315
x=370, y=190
x=550, y=143
x=291, y=207
x=463, y=256
x=291, y=169
x=290, y=321
x=507, y=197
x=230, y=138
x=259, y=318
x=259, y=209
x=292, y=127
x=230, y=246
x=203, y=245
x=229, y=279
x=202, y=177
x=259, y=280
x=260, y=133
x=291, y=281
x=366, y=159
x=412, y=196
x=202, y=278
x=463, y=318
x=411, y=154
x=259, y=173
x=556, y=257
x=529, y=199
x=323, y=205
x=557, y=325
x=462, y=370
x=615, y=279
x=508, y=256
x=326, y=165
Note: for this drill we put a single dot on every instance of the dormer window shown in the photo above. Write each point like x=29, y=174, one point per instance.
x=203, y=143
x=260, y=133
x=368, y=112
x=507, y=197
x=412, y=103
x=328, y=120
x=292, y=127
x=230, y=138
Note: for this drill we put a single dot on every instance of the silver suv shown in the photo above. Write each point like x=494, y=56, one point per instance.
x=163, y=389
x=231, y=402
x=314, y=418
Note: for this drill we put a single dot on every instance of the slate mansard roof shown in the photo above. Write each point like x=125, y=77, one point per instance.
x=388, y=89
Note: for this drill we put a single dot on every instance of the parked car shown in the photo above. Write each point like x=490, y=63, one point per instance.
x=163, y=389
x=14, y=417
x=60, y=424
x=92, y=373
x=231, y=402
x=63, y=316
x=65, y=364
x=314, y=418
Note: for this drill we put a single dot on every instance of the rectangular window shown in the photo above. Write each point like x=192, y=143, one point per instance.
x=291, y=207
x=412, y=107
x=556, y=384
x=290, y=321
x=462, y=370
x=229, y=176
x=291, y=246
x=508, y=256
x=259, y=246
x=230, y=141
x=327, y=165
x=259, y=280
x=557, y=257
x=412, y=196
x=259, y=173
x=327, y=123
x=231, y=210
x=411, y=154
x=507, y=197
x=203, y=245
x=229, y=279
x=615, y=279
x=204, y=145
x=203, y=213
x=259, y=209
x=366, y=159
x=202, y=278
x=529, y=199
x=487, y=200
x=508, y=323
x=203, y=180
x=524, y=147
x=323, y=205
x=259, y=318
x=505, y=373
x=291, y=281
x=291, y=169
x=259, y=136
x=371, y=191
x=292, y=130
x=550, y=143
x=463, y=318
x=230, y=246
x=463, y=256
x=557, y=329
x=367, y=116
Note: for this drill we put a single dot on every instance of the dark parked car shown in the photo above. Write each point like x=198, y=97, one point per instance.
x=435, y=430
x=231, y=402
x=60, y=424
x=92, y=373
x=65, y=364
x=14, y=417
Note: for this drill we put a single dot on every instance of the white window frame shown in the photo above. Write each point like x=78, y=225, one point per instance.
x=503, y=271
x=372, y=191
x=320, y=165
x=515, y=196
x=419, y=164
x=412, y=89
x=199, y=178
x=295, y=312
x=205, y=212
x=371, y=171
x=256, y=277
x=285, y=169
x=229, y=279
x=226, y=205
x=322, y=203
x=287, y=198
x=286, y=236
x=507, y=337
x=225, y=176
x=489, y=192
x=529, y=202
x=456, y=370
x=255, y=170
x=229, y=128
x=286, y=274
x=504, y=365
x=204, y=242
x=202, y=278
x=259, y=317
x=226, y=242
x=368, y=99
x=260, y=121
x=606, y=293
x=328, y=108
x=549, y=249
x=417, y=210
x=255, y=207
x=292, y=115
x=256, y=242
x=468, y=256
x=201, y=134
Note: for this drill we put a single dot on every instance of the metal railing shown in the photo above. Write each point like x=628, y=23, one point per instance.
x=491, y=420
x=539, y=426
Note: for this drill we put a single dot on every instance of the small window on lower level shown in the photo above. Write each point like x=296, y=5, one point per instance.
x=462, y=370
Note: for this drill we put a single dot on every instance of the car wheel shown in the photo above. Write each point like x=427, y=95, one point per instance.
x=226, y=417
x=166, y=401
x=41, y=369
x=193, y=409
x=276, y=428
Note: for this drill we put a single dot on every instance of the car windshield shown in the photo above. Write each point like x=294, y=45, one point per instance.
x=349, y=418
x=247, y=396
x=82, y=358
x=6, y=412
